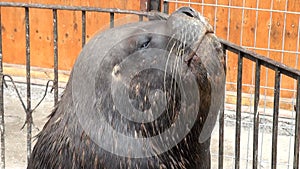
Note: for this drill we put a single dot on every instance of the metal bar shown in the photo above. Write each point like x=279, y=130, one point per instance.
x=16, y=89
x=74, y=8
x=292, y=72
x=297, y=128
x=233, y=7
x=297, y=109
x=2, y=126
x=140, y=18
x=271, y=49
x=28, y=110
x=83, y=22
x=166, y=7
x=248, y=148
x=265, y=87
x=221, y=129
x=238, y=111
x=45, y=93
x=55, y=46
x=152, y=5
x=221, y=137
x=112, y=18
x=256, y=115
x=145, y=5
x=275, y=118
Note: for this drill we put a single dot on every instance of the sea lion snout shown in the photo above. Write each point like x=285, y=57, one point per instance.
x=188, y=26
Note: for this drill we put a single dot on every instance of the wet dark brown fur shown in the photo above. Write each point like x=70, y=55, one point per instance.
x=63, y=143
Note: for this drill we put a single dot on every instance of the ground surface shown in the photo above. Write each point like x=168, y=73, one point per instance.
x=15, y=137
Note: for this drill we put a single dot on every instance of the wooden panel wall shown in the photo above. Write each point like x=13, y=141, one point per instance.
x=41, y=30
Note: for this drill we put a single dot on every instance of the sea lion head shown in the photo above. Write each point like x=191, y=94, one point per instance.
x=142, y=95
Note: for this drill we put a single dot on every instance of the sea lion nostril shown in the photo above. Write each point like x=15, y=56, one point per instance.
x=187, y=11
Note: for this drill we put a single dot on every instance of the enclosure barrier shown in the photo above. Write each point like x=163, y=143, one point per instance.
x=279, y=69
x=259, y=60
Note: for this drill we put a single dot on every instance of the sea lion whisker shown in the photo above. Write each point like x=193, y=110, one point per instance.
x=169, y=41
x=174, y=73
x=165, y=75
x=183, y=53
x=178, y=66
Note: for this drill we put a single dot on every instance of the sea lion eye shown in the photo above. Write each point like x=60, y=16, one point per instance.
x=145, y=44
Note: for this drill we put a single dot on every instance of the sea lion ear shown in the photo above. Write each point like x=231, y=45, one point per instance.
x=154, y=15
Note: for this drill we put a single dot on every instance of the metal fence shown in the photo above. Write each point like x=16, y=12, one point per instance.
x=241, y=53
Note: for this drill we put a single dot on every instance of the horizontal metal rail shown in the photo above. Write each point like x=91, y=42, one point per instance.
x=267, y=62
x=231, y=6
x=74, y=8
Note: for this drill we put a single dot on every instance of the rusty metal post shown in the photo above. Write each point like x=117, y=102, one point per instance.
x=144, y=5
x=2, y=126
x=55, y=44
x=150, y=5
x=28, y=108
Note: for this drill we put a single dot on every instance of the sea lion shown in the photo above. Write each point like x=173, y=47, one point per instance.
x=143, y=95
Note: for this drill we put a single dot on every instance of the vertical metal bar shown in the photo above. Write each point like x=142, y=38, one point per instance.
x=141, y=18
x=275, y=118
x=55, y=39
x=2, y=126
x=238, y=111
x=28, y=111
x=256, y=115
x=83, y=22
x=145, y=5
x=221, y=129
x=297, y=128
x=297, y=109
x=159, y=5
x=221, y=136
x=166, y=7
x=248, y=147
x=112, y=18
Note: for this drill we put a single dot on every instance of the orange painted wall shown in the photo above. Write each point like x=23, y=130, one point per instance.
x=41, y=30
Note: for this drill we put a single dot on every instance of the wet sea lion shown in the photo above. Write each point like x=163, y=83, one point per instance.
x=143, y=95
